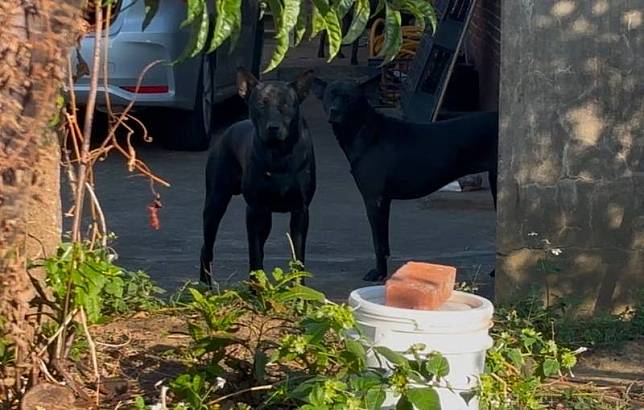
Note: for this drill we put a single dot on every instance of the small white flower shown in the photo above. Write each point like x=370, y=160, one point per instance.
x=556, y=251
x=533, y=234
x=545, y=241
x=581, y=350
x=221, y=382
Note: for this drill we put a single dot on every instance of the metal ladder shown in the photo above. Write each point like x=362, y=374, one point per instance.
x=424, y=88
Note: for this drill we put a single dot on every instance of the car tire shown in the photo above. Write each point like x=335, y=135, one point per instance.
x=192, y=130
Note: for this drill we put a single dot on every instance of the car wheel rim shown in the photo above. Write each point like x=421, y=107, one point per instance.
x=206, y=95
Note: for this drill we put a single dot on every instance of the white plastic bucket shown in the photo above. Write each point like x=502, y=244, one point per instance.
x=458, y=330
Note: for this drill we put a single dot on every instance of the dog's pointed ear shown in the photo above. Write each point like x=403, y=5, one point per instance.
x=246, y=81
x=302, y=84
x=319, y=87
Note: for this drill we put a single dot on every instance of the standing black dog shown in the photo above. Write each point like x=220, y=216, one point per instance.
x=269, y=160
x=396, y=159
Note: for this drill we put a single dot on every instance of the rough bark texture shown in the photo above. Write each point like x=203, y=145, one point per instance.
x=44, y=213
x=35, y=36
x=571, y=150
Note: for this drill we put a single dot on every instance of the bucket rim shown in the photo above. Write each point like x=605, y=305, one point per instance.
x=481, y=312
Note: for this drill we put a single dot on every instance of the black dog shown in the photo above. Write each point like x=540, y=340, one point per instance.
x=396, y=159
x=269, y=160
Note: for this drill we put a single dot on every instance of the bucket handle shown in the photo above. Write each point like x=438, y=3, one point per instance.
x=417, y=328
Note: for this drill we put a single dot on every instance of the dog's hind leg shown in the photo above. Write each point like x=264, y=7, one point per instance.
x=378, y=214
x=299, y=229
x=214, y=209
x=492, y=175
x=258, y=227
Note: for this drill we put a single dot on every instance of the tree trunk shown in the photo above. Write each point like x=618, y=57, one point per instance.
x=35, y=37
x=44, y=213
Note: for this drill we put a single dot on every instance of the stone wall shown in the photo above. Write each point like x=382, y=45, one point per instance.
x=572, y=151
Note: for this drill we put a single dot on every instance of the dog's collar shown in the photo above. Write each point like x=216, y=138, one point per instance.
x=285, y=173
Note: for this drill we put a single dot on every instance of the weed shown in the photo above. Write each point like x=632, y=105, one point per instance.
x=298, y=348
x=6, y=348
x=139, y=293
x=85, y=288
x=275, y=343
x=81, y=277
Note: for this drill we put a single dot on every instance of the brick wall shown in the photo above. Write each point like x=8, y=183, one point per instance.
x=484, y=48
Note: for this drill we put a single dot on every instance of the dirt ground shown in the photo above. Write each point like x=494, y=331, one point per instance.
x=142, y=353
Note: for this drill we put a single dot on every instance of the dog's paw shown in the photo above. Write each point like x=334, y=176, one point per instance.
x=206, y=280
x=205, y=277
x=374, y=275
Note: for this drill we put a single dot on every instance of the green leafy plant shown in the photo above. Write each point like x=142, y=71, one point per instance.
x=82, y=277
x=280, y=344
x=85, y=288
x=137, y=293
x=520, y=361
x=293, y=20
x=300, y=348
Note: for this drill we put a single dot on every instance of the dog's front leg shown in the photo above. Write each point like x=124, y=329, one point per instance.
x=299, y=229
x=258, y=227
x=214, y=209
x=378, y=214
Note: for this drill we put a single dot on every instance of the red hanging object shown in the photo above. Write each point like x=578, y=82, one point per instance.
x=153, y=211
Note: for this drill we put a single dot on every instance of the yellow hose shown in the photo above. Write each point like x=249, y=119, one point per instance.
x=411, y=37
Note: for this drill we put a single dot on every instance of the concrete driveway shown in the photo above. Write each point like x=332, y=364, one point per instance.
x=452, y=228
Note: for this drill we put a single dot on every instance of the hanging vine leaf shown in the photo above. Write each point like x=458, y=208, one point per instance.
x=236, y=30
x=300, y=27
x=285, y=22
x=151, y=8
x=202, y=34
x=412, y=8
x=360, y=19
x=228, y=16
x=393, y=34
x=380, y=6
x=332, y=26
x=194, y=10
x=292, y=19
x=342, y=7
x=423, y=12
x=289, y=17
x=277, y=10
x=317, y=23
x=198, y=36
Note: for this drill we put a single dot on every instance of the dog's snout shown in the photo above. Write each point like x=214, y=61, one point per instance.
x=272, y=129
x=274, y=133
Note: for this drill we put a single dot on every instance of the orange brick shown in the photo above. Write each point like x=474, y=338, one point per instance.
x=420, y=286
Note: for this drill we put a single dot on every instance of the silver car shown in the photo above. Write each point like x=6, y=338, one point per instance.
x=182, y=94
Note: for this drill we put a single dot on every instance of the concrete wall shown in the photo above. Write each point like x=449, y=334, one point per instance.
x=484, y=48
x=572, y=150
